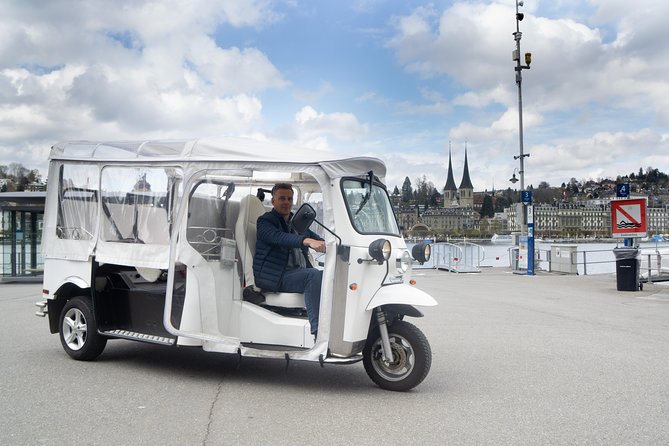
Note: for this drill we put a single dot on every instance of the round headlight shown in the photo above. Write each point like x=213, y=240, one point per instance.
x=380, y=250
x=405, y=262
x=421, y=252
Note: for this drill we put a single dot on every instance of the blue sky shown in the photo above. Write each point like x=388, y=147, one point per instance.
x=401, y=80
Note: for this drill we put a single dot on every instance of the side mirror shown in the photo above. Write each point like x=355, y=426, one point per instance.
x=303, y=218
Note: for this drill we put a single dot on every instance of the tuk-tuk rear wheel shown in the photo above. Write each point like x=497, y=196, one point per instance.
x=412, y=357
x=79, y=331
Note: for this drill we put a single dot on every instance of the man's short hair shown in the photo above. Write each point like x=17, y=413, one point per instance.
x=278, y=186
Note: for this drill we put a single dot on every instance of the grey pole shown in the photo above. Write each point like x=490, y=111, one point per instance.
x=519, y=81
x=527, y=225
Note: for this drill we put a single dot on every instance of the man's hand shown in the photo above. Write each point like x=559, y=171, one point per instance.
x=316, y=245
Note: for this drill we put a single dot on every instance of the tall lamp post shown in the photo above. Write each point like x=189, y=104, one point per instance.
x=526, y=197
x=519, y=81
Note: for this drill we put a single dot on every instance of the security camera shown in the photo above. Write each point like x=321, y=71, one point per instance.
x=520, y=3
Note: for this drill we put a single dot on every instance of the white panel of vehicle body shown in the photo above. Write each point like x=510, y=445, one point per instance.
x=261, y=326
x=401, y=293
x=58, y=272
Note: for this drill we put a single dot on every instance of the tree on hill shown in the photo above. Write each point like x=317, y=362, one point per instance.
x=424, y=190
x=407, y=190
x=19, y=175
x=487, y=208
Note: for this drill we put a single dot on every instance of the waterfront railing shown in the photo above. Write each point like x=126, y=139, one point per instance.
x=460, y=257
x=654, y=261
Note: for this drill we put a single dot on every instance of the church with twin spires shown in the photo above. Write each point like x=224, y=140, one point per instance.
x=458, y=197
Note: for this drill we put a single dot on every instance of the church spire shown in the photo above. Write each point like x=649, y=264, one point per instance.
x=450, y=182
x=466, y=181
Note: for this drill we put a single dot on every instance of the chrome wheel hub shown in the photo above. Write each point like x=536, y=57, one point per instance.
x=74, y=329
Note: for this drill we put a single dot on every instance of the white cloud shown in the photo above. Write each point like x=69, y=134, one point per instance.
x=127, y=69
x=571, y=62
x=602, y=155
x=311, y=124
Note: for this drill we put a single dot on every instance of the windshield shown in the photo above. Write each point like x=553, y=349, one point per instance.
x=370, y=211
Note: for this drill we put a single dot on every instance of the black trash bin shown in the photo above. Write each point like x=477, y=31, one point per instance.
x=627, y=268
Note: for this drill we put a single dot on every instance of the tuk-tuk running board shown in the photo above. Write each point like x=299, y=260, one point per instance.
x=125, y=334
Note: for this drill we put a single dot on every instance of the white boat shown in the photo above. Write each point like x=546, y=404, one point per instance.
x=502, y=239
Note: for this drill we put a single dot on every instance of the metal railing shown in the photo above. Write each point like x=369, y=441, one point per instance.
x=458, y=257
x=654, y=259
x=602, y=261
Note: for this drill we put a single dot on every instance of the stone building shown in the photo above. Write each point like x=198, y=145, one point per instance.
x=590, y=218
x=566, y=219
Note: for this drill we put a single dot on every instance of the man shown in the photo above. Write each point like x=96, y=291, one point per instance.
x=281, y=262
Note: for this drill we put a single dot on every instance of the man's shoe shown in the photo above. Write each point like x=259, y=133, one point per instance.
x=253, y=296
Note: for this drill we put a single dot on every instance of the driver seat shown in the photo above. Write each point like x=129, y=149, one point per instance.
x=250, y=208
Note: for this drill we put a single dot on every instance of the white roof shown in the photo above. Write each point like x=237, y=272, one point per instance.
x=221, y=149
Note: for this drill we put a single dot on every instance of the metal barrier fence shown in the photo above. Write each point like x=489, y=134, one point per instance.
x=461, y=257
x=566, y=258
x=654, y=262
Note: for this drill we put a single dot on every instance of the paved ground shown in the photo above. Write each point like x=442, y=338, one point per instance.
x=517, y=360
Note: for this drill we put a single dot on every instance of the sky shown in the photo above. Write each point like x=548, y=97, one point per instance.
x=405, y=81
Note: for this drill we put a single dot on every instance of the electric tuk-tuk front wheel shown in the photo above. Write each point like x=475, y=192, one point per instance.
x=412, y=357
x=79, y=330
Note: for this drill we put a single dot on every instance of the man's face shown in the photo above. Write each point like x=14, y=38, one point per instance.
x=282, y=200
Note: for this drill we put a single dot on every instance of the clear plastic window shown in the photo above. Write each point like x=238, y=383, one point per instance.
x=137, y=203
x=78, y=204
x=212, y=214
x=369, y=207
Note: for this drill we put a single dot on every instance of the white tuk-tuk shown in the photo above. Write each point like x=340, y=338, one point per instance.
x=153, y=241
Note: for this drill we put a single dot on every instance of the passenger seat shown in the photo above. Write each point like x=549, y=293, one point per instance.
x=250, y=208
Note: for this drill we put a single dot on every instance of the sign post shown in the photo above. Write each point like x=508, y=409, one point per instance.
x=623, y=191
x=526, y=198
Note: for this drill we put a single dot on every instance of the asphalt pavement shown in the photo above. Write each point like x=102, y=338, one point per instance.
x=548, y=359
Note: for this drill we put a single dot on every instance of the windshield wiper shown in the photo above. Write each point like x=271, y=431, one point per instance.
x=368, y=194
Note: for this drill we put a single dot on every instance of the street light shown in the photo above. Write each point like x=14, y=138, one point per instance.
x=527, y=221
x=513, y=178
x=519, y=80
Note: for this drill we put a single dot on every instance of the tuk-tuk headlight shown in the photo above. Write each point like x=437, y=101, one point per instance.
x=404, y=262
x=380, y=250
x=421, y=252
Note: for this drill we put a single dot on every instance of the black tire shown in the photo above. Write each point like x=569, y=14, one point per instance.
x=412, y=357
x=79, y=330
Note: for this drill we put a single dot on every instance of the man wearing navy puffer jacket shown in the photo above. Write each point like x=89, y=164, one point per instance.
x=281, y=262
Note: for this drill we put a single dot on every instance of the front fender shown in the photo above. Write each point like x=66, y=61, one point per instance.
x=401, y=293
